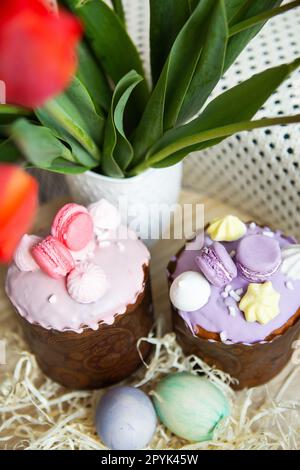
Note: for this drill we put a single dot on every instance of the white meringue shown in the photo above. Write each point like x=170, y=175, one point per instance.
x=105, y=216
x=23, y=257
x=291, y=262
x=87, y=283
x=190, y=291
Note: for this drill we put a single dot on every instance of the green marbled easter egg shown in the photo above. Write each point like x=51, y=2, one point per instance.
x=190, y=406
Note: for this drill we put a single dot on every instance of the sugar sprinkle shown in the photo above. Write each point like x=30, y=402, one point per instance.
x=52, y=299
x=289, y=285
x=268, y=234
x=232, y=311
x=239, y=291
x=121, y=246
x=234, y=295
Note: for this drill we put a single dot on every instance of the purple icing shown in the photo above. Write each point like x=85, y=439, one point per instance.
x=216, y=264
x=258, y=257
x=214, y=316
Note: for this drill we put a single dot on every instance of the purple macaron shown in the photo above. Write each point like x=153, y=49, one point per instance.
x=258, y=257
x=216, y=264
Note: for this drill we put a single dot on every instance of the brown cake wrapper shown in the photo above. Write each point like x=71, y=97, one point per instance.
x=94, y=358
x=251, y=364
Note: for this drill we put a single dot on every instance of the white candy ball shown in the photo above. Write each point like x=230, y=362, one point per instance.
x=190, y=291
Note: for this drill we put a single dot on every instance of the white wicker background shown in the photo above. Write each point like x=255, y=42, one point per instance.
x=259, y=170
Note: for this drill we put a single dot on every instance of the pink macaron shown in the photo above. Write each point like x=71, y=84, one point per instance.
x=73, y=226
x=53, y=257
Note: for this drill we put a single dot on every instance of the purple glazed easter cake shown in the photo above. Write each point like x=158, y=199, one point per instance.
x=235, y=295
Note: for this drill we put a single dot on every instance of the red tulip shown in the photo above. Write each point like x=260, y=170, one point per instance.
x=18, y=203
x=37, y=51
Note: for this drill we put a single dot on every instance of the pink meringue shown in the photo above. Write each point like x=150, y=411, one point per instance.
x=87, y=283
x=106, y=217
x=23, y=257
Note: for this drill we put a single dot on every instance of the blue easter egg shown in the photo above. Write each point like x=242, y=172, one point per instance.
x=190, y=406
x=125, y=419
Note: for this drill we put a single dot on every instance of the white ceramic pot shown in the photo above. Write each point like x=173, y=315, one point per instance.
x=139, y=198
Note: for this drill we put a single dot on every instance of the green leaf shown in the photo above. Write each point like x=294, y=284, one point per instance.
x=210, y=66
x=119, y=9
x=233, y=7
x=117, y=150
x=9, y=113
x=195, y=142
x=166, y=100
x=239, y=104
x=62, y=166
x=80, y=155
x=167, y=17
x=92, y=77
x=111, y=44
x=193, y=4
x=9, y=153
x=38, y=144
x=73, y=114
x=151, y=127
x=262, y=17
x=238, y=42
x=184, y=58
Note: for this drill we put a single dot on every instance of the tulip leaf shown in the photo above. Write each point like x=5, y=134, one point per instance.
x=262, y=17
x=62, y=166
x=210, y=66
x=42, y=149
x=8, y=113
x=117, y=150
x=193, y=4
x=73, y=114
x=93, y=78
x=213, y=136
x=167, y=97
x=38, y=144
x=237, y=43
x=111, y=44
x=9, y=153
x=233, y=7
x=119, y=9
x=167, y=17
x=239, y=104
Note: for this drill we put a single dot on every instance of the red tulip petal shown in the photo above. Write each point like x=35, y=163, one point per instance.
x=18, y=204
x=37, y=48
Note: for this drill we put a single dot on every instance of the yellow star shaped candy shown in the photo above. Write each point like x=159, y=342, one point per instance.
x=260, y=303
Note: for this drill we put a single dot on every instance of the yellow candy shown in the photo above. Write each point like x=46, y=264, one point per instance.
x=260, y=303
x=227, y=229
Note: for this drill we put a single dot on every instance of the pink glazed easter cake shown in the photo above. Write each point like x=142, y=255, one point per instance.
x=83, y=296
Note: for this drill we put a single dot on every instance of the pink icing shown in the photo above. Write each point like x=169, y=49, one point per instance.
x=122, y=260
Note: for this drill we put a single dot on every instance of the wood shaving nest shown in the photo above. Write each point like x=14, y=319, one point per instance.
x=36, y=413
